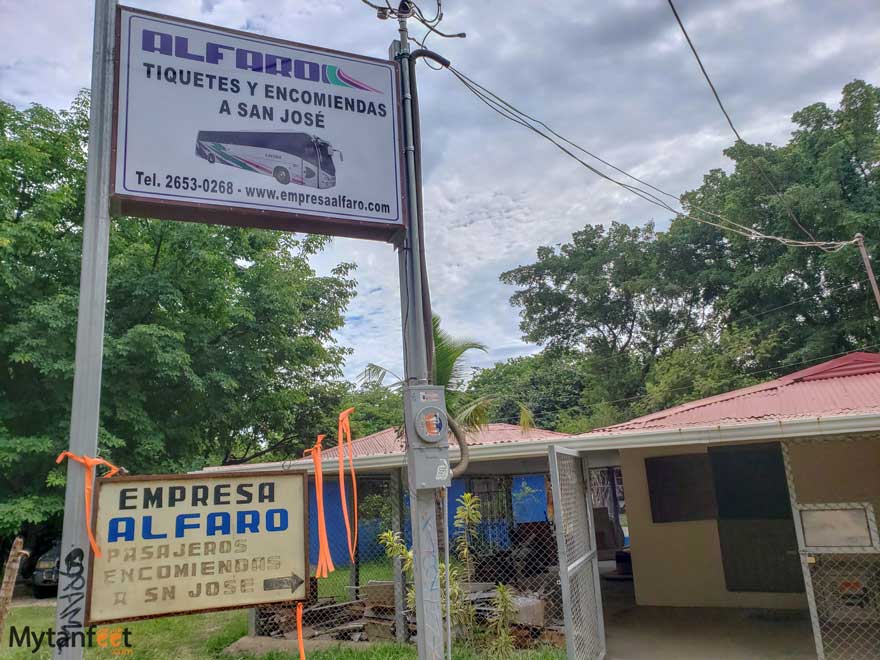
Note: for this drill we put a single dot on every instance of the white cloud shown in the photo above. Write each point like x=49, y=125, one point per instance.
x=616, y=77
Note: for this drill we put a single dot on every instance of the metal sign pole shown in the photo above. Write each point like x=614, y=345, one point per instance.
x=429, y=617
x=84, y=418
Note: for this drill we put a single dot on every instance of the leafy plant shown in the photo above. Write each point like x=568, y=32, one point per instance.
x=501, y=646
x=461, y=610
x=395, y=547
x=375, y=506
x=467, y=517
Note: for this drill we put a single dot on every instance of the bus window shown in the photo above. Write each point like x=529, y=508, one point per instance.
x=327, y=164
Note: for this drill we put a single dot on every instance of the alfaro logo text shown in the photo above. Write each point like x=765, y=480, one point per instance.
x=245, y=59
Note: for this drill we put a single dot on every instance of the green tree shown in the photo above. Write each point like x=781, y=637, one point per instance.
x=218, y=343
x=378, y=408
x=650, y=319
x=817, y=303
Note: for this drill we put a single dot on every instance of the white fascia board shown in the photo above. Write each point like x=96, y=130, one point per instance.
x=758, y=431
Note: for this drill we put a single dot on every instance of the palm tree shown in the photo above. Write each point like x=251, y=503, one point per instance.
x=466, y=412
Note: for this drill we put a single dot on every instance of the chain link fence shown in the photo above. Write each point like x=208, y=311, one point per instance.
x=500, y=533
x=847, y=592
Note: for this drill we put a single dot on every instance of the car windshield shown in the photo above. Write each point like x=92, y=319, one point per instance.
x=327, y=164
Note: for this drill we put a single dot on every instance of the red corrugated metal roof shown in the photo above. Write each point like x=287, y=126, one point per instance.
x=387, y=442
x=848, y=385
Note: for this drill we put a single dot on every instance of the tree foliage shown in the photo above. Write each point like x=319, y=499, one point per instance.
x=218, y=342
x=634, y=319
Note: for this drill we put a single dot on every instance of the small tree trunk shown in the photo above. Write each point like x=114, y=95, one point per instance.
x=10, y=575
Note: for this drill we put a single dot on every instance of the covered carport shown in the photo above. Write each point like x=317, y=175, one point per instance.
x=752, y=524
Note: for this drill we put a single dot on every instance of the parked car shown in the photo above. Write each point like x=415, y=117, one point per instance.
x=44, y=581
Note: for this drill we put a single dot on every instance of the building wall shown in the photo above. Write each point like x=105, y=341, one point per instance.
x=854, y=464
x=679, y=564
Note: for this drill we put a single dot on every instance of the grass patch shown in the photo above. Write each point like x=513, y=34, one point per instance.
x=190, y=637
x=204, y=636
x=336, y=584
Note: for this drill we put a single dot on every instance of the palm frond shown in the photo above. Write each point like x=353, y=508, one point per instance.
x=526, y=418
x=449, y=368
x=474, y=414
x=374, y=375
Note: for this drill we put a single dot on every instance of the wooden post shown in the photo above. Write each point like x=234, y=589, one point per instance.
x=10, y=575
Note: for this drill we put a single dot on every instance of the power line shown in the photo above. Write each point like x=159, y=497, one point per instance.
x=730, y=121
x=705, y=73
x=686, y=338
x=512, y=113
x=548, y=415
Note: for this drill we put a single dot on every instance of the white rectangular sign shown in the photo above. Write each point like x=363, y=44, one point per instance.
x=181, y=544
x=222, y=126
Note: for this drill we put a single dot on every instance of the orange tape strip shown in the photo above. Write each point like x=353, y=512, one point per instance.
x=325, y=560
x=89, y=464
x=343, y=434
x=299, y=631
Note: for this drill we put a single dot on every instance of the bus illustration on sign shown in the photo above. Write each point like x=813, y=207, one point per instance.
x=289, y=157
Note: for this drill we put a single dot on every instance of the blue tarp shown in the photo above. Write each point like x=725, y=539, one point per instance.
x=529, y=505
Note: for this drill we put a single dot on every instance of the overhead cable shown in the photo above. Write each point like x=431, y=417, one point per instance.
x=730, y=121
x=512, y=113
x=548, y=416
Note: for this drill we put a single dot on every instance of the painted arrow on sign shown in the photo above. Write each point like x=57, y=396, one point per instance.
x=292, y=582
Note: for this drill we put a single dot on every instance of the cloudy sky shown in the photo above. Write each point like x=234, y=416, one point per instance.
x=613, y=75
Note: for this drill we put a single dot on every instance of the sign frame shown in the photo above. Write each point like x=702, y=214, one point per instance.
x=257, y=218
x=867, y=510
x=191, y=476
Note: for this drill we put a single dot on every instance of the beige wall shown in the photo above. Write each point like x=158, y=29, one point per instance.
x=679, y=564
x=837, y=471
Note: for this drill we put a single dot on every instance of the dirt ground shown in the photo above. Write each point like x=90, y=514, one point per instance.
x=701, y=633
x=633, y=632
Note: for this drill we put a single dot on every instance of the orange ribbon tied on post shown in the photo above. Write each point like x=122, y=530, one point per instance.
x=299, y=631
x=343, y=434
x=89, y=464
x=325, y=560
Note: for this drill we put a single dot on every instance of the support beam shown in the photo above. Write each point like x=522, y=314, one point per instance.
x=73, y=573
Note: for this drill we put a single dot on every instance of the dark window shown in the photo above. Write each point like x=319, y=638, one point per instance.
x=750, y=482
x=755, y=527
x=326, y=157
x=680, y=488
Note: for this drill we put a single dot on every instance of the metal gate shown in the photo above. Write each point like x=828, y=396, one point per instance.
x=578, y=559
x=839, y=549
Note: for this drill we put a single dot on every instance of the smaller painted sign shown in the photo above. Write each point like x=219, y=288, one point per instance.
x=188, y=543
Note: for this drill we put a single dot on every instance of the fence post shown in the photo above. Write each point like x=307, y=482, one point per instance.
x=252, y=622
x=401, y=626
x=10, y=575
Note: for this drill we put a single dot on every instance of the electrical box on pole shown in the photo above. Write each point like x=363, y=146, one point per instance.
x=427, y=434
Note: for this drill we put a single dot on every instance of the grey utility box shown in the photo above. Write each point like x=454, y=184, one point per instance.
x=427, y=435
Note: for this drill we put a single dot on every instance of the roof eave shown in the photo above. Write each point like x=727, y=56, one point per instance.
x=756, y=431
x=775, y=430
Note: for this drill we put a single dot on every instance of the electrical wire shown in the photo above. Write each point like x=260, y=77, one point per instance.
x=512, y=113
x=416, y=12
x=495, y=101
x=730, y=121
x=549, y=416
x=684, y=339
